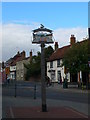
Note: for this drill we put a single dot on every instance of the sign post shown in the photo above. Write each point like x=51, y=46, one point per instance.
x=43, y=85
x=42, y=36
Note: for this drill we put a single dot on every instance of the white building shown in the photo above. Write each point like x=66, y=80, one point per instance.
x=13, y=72
x=55, y=70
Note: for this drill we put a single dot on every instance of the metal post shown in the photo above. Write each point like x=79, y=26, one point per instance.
x=15, y=88
x=35, y=91
x=43, y=85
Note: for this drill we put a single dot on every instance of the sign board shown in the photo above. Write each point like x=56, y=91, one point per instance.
x=7, y=70
x=42, y=35
x=39, y=38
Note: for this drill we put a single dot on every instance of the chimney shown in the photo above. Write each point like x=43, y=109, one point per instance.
x=72, y=39
x=56, y=45
x=18, y=53
x=23, y=54
x=30, y=55
x=3, y=66
x=89, y=33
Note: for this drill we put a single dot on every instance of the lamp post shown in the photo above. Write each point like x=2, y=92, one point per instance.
x=42, y=36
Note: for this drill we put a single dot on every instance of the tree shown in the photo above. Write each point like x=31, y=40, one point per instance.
x=76, y=58
x=34, y=67
x=48, y=51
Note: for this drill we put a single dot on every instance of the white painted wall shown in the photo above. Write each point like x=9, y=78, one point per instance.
x=12, y=68
x=12, y=75
x=12, y=72
x=61, y=69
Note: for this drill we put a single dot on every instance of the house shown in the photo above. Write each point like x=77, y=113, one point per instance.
x=14, y=67
x=57, y=72
x=54, y=69
x=20, y=68
x=11, y=65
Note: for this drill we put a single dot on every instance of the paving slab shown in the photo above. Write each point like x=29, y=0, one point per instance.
x=36, y=112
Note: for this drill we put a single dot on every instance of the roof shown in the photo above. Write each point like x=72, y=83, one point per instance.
x=18, y=59
x=59, y=53
x=42, y=29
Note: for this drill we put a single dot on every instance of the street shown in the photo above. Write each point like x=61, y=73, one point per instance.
x=26, y=89
x=56, y=96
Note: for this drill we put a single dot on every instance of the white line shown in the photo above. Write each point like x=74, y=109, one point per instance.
x=11, y=112
x=81, y=114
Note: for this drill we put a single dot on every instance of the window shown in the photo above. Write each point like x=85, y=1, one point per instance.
x=51, y=64
x=58, y=63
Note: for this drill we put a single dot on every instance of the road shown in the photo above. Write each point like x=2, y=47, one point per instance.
x=26, y=89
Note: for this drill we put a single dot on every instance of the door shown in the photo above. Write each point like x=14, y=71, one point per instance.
x=53, y=76
x=59, y=76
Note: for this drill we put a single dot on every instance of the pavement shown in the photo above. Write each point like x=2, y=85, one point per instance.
x=35, y=112
x=73, y=89
x=31, y=108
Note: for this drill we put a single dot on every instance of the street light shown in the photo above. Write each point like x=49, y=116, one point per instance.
x=43, y=36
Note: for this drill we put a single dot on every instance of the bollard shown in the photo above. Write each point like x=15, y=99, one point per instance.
x=35, y=91
x=15, y=89
x=82, y=86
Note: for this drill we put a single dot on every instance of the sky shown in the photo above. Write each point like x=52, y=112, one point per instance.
x=20, y=18
x=53, y=15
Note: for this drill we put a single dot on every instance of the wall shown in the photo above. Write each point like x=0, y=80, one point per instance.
x=12, y=68
x=20, y=69
x=61, y=69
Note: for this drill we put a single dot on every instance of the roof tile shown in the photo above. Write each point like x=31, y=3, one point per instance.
x=59, y=53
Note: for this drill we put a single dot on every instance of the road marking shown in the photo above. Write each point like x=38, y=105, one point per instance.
x=77, y=112
x=11, y=112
